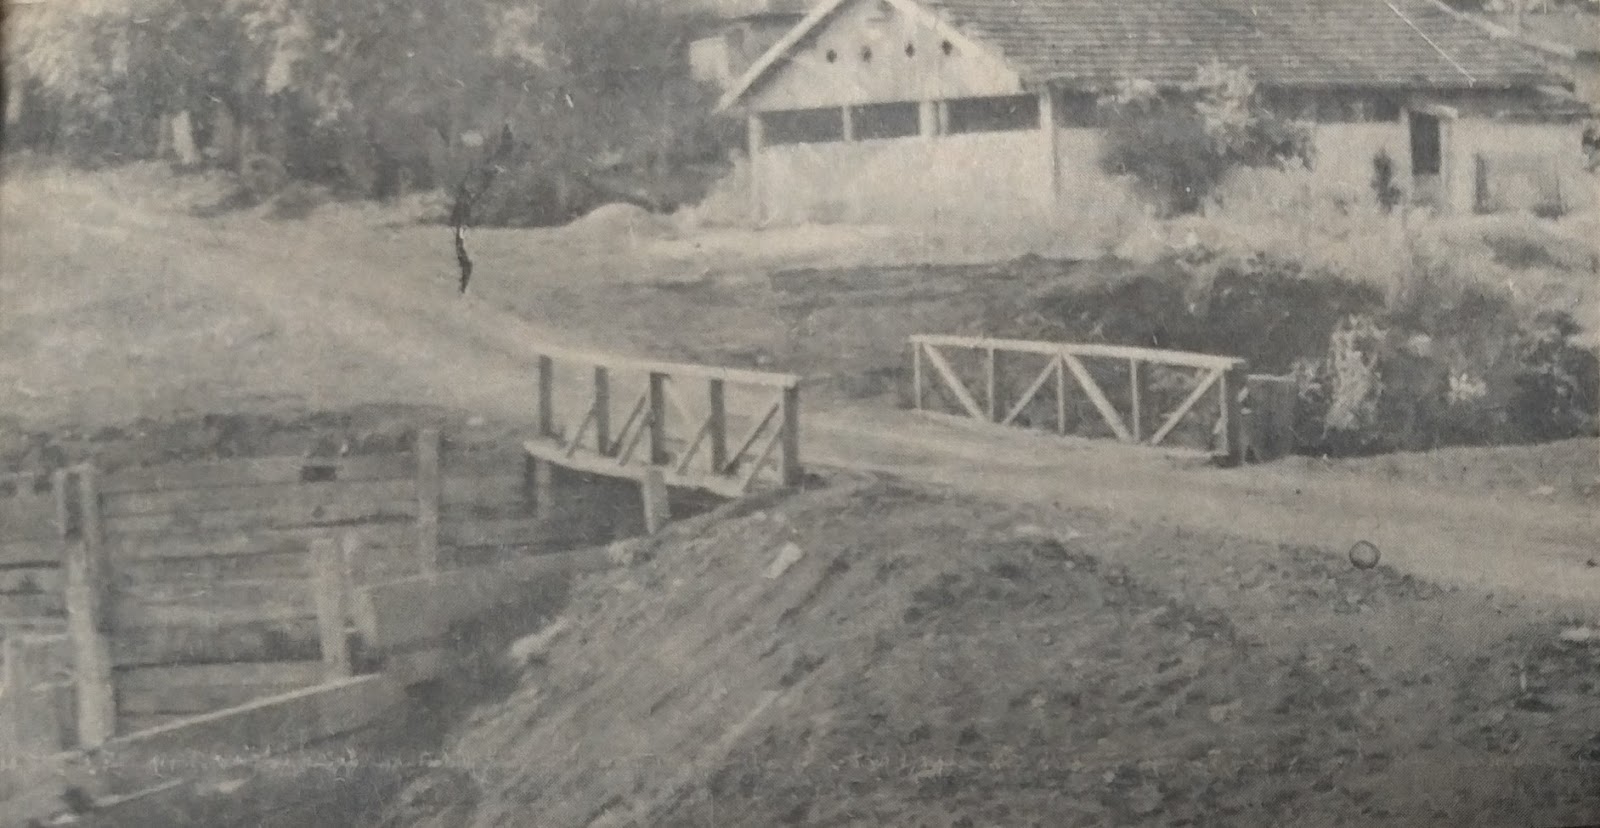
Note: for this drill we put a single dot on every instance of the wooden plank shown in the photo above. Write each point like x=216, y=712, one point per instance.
x=686, y=459
x=496, y=461
x=656, y=420
x=1232, y=419
x=248, y=543
x=1061, y=394
x=32, y=605
x=1200, y=389
x=31, y=579
x=789, y=469
x=1156, y=355
x=293, y=496
x=429, y=496
x=306, y=513
x=602, y=410
x=942, y=367
x=749, y=471
x=606, y=467
x=544, y=403
x=916, y=376
x=627, y=434
x=257, y=471
x=680, y=370
x=991, y=395
x=1097, y=397
x=206, y=573
x=717, y=425
x=87, y=591
x=28, y=516
x=1137, y=391
x=149, y=605
x=500, y=490
x=332, y=587
x=543, y=487
x=402, y=614
x=1029, y=393
x=657, y=511
x=203, y=688
x=262, y=728
x=218, y=641
x=748, y=441
x=31, y=552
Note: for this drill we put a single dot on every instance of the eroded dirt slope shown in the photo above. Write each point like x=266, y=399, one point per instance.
x=881, y=654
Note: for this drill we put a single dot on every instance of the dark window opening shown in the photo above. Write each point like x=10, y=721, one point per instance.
x=911, y=50
x=866, y=54
x=1077, y=109
x=832, y=56
x=1426, y=149
x=947, y=47
x=888, y=120
x=803, y=126
x=1016, y=112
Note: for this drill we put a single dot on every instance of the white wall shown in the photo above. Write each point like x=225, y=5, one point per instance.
x=987, y=177
x=1527, y=163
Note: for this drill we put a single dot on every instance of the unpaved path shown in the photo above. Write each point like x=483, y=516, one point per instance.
x=343, y=322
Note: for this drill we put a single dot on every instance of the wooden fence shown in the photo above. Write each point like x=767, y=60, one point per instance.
x=191, y=588
x=1135, y=395
x=720, y=430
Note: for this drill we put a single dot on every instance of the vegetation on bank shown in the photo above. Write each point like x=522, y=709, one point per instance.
x=377, y=98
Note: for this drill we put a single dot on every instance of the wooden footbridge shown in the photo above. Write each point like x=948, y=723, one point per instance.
x=261, y=605
x=256, y=606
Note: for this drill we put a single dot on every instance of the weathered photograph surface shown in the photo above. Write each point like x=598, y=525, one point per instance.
x=949, y=413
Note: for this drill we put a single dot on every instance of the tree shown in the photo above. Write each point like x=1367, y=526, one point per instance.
x=1178, y=145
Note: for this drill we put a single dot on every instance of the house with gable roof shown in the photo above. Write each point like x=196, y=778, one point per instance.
x=889, y=110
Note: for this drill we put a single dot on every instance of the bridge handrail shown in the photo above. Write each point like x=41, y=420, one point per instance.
x=1184, y=358
x=739, y=376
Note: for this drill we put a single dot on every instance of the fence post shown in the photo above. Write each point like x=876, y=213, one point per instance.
x=86, y=593
x=717, y=426
x=789, y=458
x=657, y=511
x=916, y=375
x=330, y=587
x=429, y=493
x=1061, y=395
x=546, y=402
x=543, y=489
x=1232, y=425
x=602, y=410
x=990, y=385
x=1136, y=390
x=658, y=418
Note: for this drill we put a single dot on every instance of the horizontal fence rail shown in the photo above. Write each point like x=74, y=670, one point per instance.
x=1141, y=396
x=627, y=418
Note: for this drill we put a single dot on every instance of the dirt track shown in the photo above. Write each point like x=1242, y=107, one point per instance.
x=331, y=315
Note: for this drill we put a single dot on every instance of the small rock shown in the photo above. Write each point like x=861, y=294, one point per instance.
x=1219, y=713
x=788, y=556
x=1544, y=491
x=1580, y=635
x=530, y=647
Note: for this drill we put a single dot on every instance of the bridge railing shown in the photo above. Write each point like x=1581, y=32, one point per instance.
x=1142, y=396
x=723, y=430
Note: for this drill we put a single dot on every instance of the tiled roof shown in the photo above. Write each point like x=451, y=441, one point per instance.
x=1377, y=43
x=1578, y=31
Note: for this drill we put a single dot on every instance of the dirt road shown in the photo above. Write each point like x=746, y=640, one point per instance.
x=328, y=315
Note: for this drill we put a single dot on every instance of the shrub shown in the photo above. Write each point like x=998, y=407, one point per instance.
x=1179, y=146
x=1384, y=188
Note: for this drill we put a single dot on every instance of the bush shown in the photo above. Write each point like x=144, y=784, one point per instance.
x=1179, y=146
